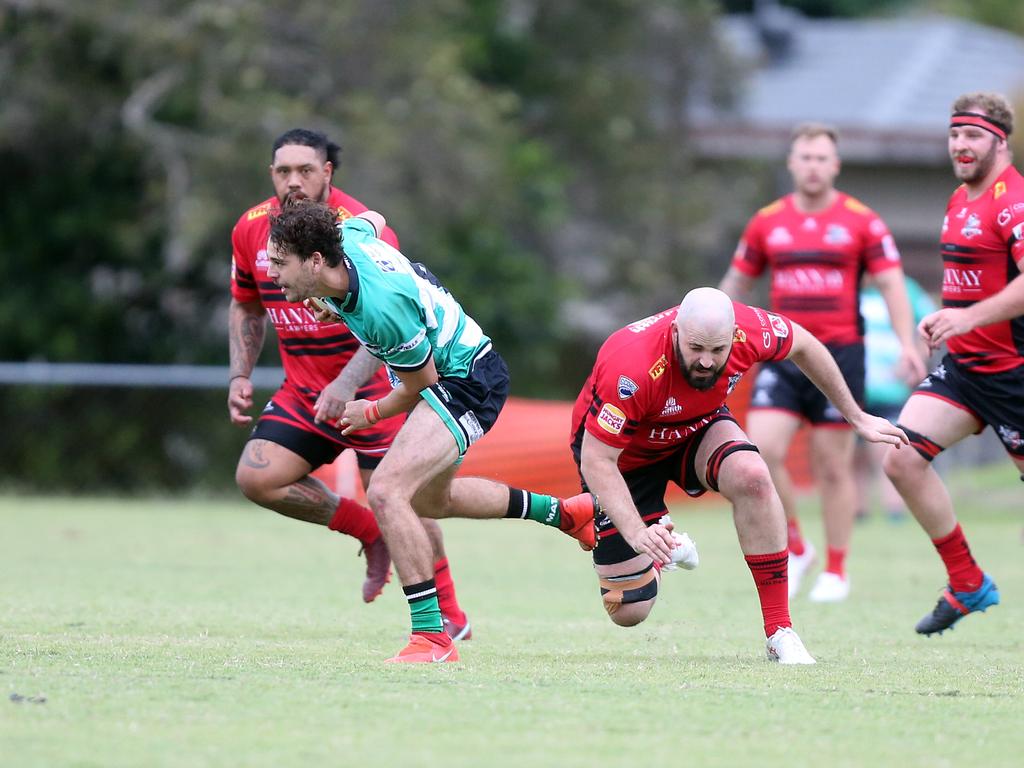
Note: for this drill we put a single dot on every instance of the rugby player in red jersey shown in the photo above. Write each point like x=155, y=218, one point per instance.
x=980, y=381
x=817, y=242
x=653, y=411
x=325, y=367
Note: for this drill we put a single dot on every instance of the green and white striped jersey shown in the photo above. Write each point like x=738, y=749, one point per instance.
x=399, y=311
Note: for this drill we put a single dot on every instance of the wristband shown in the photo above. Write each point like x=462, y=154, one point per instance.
x=372, y=412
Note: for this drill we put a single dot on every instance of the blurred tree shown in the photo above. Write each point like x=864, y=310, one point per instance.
x=534, y=154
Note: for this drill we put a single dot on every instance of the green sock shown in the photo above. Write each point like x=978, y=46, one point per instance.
x=534, y=506
x=423, y=607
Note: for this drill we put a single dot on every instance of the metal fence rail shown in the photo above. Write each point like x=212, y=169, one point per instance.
x=127, y=375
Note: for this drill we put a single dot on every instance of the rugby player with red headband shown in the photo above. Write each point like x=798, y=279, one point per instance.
x=980, y=381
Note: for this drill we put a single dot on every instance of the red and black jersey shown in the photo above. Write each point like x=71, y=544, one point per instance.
x=312, y=353
x=637, y=397
x=982, y=246
x=817, y=261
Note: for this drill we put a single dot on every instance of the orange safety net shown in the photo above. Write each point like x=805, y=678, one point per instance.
x=528, y=448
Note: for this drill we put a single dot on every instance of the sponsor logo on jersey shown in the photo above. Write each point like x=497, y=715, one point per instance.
x=1004, y=217
x=626, y=388
x=733, y=381
x=809, y=225
x=766, y=339
x=739, y=336
x=856, y=206
x=957, y=280
x=642, y=325
x=962, y=213
x=877, y=228
x=945, y=224
x=295, y=318
x=658, y=368
x=778, y=326
x=261, y=258
x=412, y=343
x=807, y=280
x=972, y=228
x=611, y=419
x=779, y=236
x=999, y=190
x=1018, y=231
x=837, y=234
x=671, y=408
x=892, y=253
x=258, y=211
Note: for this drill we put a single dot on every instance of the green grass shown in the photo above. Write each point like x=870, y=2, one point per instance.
x=204, y=633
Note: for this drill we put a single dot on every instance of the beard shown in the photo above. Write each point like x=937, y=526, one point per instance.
x=705, y=382
x=977, y=170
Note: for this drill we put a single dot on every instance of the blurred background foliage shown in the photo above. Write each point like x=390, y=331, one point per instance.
x=533, y=154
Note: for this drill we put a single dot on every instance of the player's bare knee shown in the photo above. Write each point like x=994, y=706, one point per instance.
x=630, y=615
x=384, y=497
x=253, y=485
x=746, y=476
x=901, y=464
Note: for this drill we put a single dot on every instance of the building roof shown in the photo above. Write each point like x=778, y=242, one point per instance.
x=887, y=84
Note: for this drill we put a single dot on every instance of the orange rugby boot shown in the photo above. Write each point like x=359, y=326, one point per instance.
x=578, y=513
x=422, y=649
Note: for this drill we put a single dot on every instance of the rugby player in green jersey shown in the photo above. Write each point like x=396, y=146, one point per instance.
x=445, y=375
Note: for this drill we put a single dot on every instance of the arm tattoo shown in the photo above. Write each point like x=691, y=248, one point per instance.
x=359, y=369
x=247, y=328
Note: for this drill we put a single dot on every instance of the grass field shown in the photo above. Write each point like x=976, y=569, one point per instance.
x=198, y=633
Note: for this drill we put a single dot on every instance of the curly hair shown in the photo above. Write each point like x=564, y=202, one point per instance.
x=995, y=105
x=306, y=227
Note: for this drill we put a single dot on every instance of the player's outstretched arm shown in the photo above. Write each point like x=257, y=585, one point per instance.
x=599, y=465
x=811, y=356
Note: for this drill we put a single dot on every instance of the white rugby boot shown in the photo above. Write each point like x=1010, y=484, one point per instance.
x=830, y=588
x=798, y=567
x=785, y=647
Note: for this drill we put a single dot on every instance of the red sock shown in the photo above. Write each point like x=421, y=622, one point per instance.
x=446, y=592
x=796, y=541
x=771, y=576
x=355, y=520
x=836, y=561
x=964, y=573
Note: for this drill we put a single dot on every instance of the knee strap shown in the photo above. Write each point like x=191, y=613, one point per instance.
x=928, y=449
x=718, y=456
x=631, y=588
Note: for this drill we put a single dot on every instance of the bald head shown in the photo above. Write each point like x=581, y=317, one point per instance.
x=704, y=325
x=707, y=311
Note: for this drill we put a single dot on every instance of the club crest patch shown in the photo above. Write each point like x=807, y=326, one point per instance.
x=626, y=387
